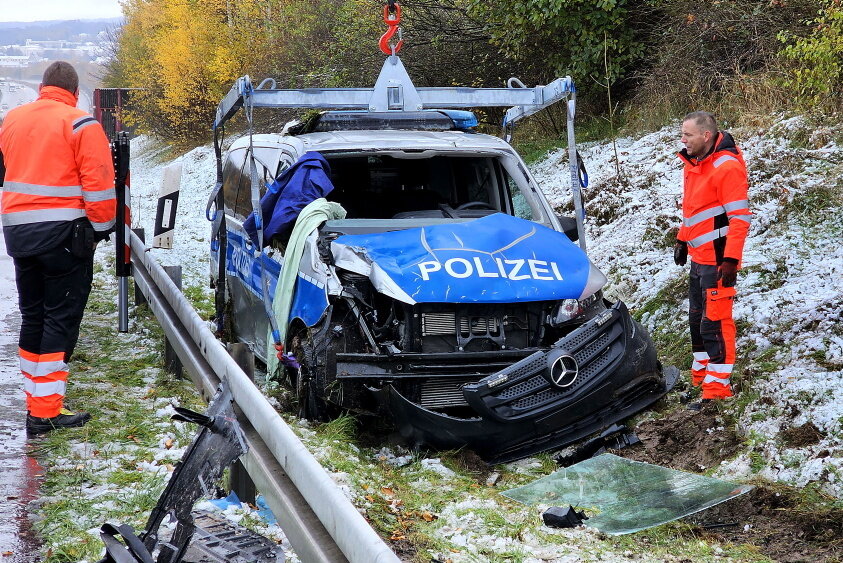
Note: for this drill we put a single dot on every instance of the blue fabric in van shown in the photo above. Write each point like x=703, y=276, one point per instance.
x=308, y=179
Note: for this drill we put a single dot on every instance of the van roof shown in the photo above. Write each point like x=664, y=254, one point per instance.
x=379, y=140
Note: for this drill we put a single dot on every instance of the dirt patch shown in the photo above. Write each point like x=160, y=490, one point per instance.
x=801, y=436
x=469, y=462
x=775, y=522
x=775, y=519
x=686, y=440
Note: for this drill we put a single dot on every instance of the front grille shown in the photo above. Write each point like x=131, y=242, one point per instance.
x=526, y=389
x=587, y=371
x=441, y=393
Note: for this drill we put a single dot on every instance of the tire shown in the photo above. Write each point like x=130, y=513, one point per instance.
x=308, y=381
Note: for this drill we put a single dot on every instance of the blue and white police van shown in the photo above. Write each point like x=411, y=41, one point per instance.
x=446, y=294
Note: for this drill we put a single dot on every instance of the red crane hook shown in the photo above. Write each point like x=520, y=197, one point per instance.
x=392, y=21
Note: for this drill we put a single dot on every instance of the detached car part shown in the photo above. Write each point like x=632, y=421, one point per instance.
x=217, y=445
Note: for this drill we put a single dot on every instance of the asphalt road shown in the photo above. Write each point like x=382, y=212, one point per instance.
x=19, y=472
x=26, y=92
x=9, y=100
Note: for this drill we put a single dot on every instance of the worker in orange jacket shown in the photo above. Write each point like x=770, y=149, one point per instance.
x=58, y=201
x=715, y=224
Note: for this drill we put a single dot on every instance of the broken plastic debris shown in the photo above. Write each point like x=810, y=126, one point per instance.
x=616, y=437
x=624, y=496
x=263, y=510
x=558, y=517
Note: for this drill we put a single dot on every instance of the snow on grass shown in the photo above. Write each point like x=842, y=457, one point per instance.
x=191, y=241
x=790, y=348
x=790, y=296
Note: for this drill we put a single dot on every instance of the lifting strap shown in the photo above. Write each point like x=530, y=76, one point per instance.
x=248, y=108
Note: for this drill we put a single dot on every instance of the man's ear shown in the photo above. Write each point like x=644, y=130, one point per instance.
x=40, y=85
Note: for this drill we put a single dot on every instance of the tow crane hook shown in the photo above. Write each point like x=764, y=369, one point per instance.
x=392, y=19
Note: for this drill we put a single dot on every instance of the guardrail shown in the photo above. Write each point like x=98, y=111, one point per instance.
x=320, y=522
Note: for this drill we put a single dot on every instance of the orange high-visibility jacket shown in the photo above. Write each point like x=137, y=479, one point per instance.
x=58, y=170
x=715, y=205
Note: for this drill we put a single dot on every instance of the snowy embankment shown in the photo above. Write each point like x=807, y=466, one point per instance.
x=191, y=238
x=790, y=294
x=791, y=350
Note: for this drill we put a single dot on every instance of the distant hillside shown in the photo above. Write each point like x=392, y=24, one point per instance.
x=16, y=33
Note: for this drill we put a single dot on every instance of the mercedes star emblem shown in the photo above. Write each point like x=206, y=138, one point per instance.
x=563, y=371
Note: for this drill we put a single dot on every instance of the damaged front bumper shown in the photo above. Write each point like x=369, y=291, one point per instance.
x=602, y=372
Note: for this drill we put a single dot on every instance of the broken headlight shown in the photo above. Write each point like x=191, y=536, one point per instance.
x=569, y=309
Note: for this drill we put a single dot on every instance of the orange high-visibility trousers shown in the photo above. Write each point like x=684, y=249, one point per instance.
x=712, y=332
x=45, y=382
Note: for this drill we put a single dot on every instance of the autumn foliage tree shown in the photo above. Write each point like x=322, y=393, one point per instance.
x=663, y=56
x=185, y=54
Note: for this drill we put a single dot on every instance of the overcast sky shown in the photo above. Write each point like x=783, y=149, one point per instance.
x=34, y=10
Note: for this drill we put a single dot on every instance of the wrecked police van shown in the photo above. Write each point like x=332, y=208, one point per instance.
x=440, y=289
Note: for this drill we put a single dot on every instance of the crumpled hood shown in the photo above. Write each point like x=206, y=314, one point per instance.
x=495, y=259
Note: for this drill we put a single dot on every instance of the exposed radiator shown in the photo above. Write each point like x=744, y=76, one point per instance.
x=445, y=324
x=440, y=393
x=436, y=324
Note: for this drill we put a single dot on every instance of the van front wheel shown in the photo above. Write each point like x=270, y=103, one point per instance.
x=311, y=404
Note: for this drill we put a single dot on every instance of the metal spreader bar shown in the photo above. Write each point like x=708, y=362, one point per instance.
x=394, y=91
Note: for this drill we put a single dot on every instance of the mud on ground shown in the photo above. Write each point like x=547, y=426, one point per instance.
x=778, y=520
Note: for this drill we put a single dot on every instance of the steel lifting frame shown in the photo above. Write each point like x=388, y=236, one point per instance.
x=394, y=91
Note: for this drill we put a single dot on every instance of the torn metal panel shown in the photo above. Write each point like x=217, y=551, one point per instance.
x=216, y=446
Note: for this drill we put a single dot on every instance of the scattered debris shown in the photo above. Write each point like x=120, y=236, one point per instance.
x=628, y=496
x=216, y=446
x=558, y=517
x=218, y=540
x=616, y=437
x=493, y=479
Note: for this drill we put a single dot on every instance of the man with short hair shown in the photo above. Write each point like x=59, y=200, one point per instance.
x=58, y=201
x=715, y=224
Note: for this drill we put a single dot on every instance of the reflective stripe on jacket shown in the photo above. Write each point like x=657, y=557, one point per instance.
x=715, y=204
x=58, y=169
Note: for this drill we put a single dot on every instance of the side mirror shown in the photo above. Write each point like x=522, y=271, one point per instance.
x=569, y=227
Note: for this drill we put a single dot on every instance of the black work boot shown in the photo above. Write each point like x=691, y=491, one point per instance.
x=65, y=419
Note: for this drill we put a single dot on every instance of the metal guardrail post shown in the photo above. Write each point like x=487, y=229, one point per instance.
x=320, y=522
x=139, y=297
x=172, y=363
x=238, y=478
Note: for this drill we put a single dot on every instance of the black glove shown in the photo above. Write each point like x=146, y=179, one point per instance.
x=680, y=253
x=100, y=236
x=727, y=273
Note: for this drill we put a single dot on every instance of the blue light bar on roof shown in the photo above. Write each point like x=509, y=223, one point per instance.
x=463, y=120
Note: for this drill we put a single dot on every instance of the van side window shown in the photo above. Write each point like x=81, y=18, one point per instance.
x=231, y=177
x=520, y=207
x=243, y=205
